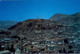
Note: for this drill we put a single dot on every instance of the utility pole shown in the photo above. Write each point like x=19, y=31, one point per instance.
x=37, y=17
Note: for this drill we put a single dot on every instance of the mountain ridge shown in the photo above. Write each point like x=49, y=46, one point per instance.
x=58, y=16
x=67, y=20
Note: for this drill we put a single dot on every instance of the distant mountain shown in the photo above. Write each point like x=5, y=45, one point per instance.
x=67, y=20
x=6, y=24
x=58, y=17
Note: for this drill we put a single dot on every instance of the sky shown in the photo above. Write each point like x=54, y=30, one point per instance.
x=19, y=10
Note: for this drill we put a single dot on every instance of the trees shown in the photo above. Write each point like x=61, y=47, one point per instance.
x=0, y=47
x=11, y=49
x=66, y=41
x=60, y=51
x=64, y=51
x=70, y=47
x=70, y=51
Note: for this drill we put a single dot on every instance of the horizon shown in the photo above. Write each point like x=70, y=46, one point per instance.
x=39, y=18
x=22, y=10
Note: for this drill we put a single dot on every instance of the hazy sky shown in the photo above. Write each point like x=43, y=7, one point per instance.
x=28, y=9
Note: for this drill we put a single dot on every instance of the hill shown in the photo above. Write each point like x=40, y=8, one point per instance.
x=45, y=35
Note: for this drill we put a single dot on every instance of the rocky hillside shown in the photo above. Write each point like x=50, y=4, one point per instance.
x=34, y=24
x=45, y=35
x=35, y=27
